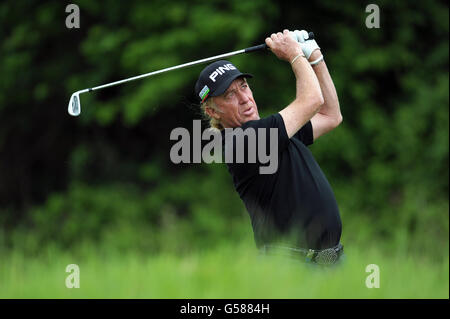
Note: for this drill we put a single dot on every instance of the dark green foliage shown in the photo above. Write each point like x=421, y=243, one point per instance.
x=107, y=176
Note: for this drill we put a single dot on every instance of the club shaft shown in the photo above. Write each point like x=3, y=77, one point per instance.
x=166, y=70
x=225, y=55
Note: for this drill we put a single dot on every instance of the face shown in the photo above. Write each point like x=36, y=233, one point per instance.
x=236, y=105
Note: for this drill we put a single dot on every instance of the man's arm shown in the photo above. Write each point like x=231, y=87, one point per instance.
x=329, y=115
x=308, y=93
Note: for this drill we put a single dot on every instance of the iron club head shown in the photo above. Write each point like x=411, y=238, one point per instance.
x=74, y=107
x=74, y=104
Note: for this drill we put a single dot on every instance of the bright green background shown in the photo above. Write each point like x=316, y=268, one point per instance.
x=100, y=190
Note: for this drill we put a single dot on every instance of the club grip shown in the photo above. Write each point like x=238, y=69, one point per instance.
x=256, y=48
x=264, y=46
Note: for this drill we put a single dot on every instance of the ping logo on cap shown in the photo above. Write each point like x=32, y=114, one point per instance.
x=221, y=70
x=204, y=93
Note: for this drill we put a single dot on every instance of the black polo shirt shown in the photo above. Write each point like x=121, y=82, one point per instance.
x=294, y=205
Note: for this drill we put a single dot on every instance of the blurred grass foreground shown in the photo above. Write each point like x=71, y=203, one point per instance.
x=225, y=272
x=100, y=191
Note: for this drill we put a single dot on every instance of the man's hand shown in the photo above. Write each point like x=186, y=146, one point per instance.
x=308, y=46
x=284, y=46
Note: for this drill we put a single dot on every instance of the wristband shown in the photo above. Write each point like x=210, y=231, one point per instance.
x=316, y=61
x=299, y=55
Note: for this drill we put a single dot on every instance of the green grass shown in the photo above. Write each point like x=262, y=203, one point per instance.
x=227, y=272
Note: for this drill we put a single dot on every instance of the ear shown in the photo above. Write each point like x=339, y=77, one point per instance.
x=212, y=113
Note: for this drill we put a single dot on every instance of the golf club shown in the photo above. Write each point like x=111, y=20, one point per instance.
x=74, y=107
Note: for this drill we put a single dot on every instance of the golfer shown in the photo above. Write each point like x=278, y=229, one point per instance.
x=293, y=210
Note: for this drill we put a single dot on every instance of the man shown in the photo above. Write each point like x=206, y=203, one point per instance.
x=294, y=209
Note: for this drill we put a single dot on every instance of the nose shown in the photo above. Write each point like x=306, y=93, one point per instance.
x=243, y=97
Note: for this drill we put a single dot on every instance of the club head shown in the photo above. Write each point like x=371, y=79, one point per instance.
x=74, y=104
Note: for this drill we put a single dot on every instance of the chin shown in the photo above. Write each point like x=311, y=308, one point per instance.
x=254, y=116
x=250, y=118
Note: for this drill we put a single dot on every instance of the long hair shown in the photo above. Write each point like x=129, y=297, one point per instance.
x=214, y=123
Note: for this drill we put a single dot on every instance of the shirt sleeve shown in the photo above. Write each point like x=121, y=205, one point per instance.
x=305, y=134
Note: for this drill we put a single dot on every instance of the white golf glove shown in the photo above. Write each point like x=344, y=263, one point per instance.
x=308, y=46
